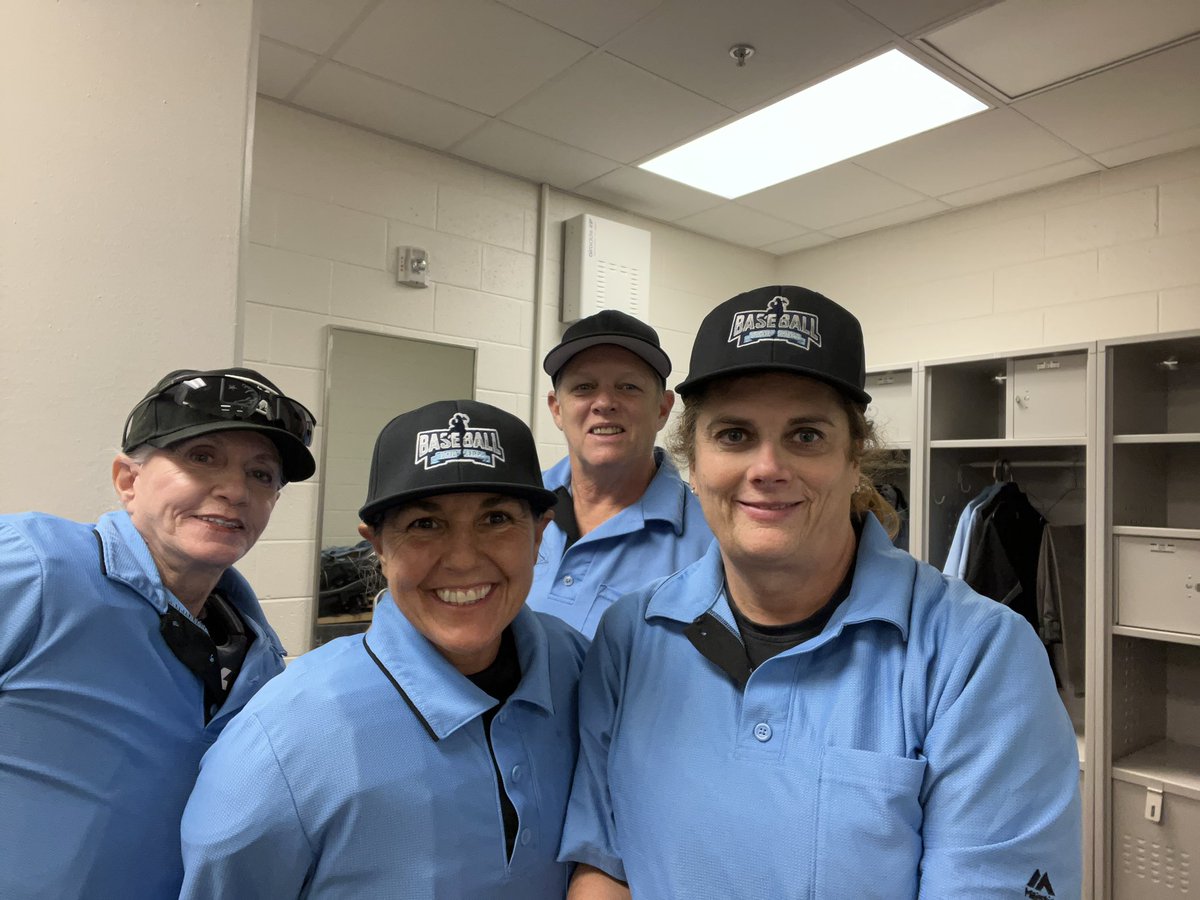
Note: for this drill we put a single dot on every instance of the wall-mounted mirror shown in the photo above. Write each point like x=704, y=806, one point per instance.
x=369, y=379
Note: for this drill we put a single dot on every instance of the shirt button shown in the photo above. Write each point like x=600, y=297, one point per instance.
x=502, y=717
x=517, y=773
x=762, y=731
x=568, y=580
x=526, y=837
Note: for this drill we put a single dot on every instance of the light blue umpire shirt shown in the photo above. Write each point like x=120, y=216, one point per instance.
x=915, y=748
x=660, y=534
x=101, y=726
x=351, y=778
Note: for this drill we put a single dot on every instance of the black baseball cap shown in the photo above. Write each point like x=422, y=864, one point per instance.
x=190, y=402
x=453, y=447
x=609, y=326
x=781, y=328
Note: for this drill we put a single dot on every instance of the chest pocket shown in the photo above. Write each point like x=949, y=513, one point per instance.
x=605, y=597
x=868, y=838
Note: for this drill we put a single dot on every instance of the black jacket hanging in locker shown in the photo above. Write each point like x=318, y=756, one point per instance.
x=1002, y=560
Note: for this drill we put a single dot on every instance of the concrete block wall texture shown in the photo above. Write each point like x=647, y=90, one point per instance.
x=122, y=189
x=329, y=205
x=1105, y=255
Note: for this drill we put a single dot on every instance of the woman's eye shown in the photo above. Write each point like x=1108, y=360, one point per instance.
x=731, y=436
x=808, y=436
x=200, y=456
x=425, y=524
x=262, y=475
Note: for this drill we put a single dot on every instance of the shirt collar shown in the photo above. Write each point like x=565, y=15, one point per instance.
x=125, y=558
x=664, y=500
x=881, y=589
x=439, y=694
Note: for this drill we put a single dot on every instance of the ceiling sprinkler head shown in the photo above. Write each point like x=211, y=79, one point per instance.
x=741, y=53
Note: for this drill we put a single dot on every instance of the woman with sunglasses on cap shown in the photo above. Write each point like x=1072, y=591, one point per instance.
x=431, y=757
x=128, y=644
x=808, y=711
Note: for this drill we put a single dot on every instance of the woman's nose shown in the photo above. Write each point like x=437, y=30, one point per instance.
x=231, y=484
x=767, y=464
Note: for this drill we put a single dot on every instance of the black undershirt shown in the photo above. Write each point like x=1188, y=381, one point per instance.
x=215, y=658
x=764, y=641
x=499, y=680
x=564, y=516
x=738, y=658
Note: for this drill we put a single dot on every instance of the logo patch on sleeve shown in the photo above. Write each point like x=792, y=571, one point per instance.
x=775, y=323
x=459, y=443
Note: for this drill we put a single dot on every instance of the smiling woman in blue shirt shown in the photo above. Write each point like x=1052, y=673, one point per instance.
x=807, y=711
x=128, y=644
x=431, y=757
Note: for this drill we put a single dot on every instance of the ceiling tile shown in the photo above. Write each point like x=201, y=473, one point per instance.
x=309, y=24
x=476, y=53
x=739, y=225
x=364, y=100
x=651, y=195
x=802, y=242
x=1147, y=98
x=688, y=41
x=914, y=16
x=616, y=110
x=830, y=196
x=898, y=216
x=1167, y=143
x=981, y=149
x=1026, y=181
x=595, y=23
x=520, y=152
x=281, y=67
x=1021, y=45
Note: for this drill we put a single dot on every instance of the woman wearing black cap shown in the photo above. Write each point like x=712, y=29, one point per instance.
x=127, y=645
x=807, y=711
x=431, y=757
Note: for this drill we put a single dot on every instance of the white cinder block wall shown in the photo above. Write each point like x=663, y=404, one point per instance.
x=329, y=203
x=1111, y=254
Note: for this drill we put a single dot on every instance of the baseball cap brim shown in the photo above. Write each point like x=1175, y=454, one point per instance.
x=539, y=498
x=297, y=463
x=853, y=391
x=653, y=356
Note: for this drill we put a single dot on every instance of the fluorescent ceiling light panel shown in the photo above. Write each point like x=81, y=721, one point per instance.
x=883, y=100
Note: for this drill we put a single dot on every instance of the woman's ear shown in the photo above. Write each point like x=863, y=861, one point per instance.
x=374, y=536
x=124, y=476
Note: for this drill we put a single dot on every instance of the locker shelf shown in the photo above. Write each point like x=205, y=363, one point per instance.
x=1171, y=765
x=1154, y=634
x=1001, y=443
x=1186, y=437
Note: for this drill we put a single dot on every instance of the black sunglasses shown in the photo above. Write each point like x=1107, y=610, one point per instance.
x=235, y=398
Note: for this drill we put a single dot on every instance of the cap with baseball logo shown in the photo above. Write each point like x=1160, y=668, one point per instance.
x=609, y=326
x=780, y=328
x=453, y=447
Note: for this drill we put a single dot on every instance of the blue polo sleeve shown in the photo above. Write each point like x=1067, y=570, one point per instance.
x=1001, y=797
x=21, y=580
x=241, y=832
x=589, y=833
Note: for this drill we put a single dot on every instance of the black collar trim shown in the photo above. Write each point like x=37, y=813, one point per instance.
x=100, y=544
x=400, y=691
